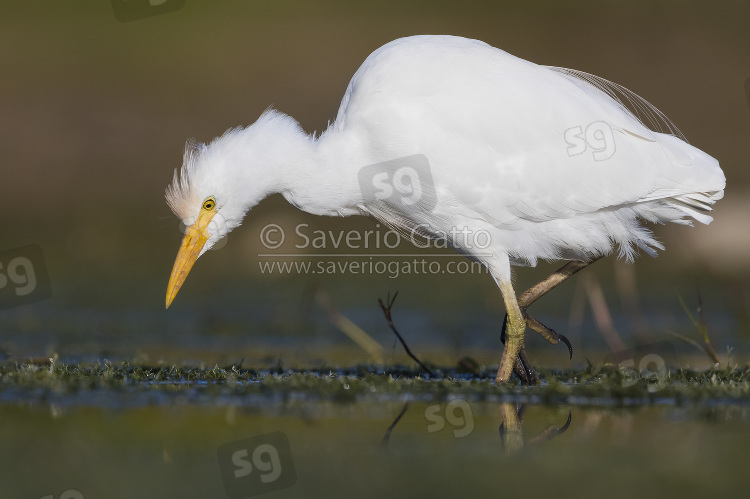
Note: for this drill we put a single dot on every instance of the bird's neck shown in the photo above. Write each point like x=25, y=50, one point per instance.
x=319, y=176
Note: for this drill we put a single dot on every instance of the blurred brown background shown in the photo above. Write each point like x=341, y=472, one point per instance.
x=94, y=114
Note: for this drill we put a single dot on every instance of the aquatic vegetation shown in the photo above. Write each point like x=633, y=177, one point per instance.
x=596, y=385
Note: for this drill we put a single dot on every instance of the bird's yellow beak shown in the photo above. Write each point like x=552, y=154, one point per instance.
x=192, y=243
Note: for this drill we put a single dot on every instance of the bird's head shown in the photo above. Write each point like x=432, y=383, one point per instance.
x=202, y=196
x=221, y=181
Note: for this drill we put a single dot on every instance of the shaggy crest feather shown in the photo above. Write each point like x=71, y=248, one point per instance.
x=204, y=164
x=178, y=193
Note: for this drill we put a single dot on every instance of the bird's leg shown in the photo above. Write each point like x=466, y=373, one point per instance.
x=521, y=365
x=515, y=326
x=543, y=287
x=540, y=289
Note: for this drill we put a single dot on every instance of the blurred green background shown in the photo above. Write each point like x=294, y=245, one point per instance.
x=94, y=115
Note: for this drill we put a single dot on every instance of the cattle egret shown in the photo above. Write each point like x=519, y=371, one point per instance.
x=542, y=162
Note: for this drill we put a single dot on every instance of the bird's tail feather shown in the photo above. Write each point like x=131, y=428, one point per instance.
x=696, y=204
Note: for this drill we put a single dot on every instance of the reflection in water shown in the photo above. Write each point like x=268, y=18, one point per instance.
x=447, y=448
x=387, y=436
x=511, y=429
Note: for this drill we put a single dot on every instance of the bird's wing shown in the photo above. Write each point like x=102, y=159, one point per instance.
x=512, y=141
x=566, y=148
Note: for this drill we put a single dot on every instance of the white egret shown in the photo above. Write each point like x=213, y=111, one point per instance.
x=543, y=162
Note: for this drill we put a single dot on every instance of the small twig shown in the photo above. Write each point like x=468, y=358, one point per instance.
x=707, y=348
x=387, y=313
x=387, y=436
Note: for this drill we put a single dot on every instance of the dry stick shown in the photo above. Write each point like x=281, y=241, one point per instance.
x=387, y=313
x=602, y=317
x=387, y=436
x=349, y=328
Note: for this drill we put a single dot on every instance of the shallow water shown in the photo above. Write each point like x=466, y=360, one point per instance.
x=337, y=450
x=73, y=431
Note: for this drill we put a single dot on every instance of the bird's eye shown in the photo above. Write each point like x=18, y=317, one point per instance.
x=209, y=204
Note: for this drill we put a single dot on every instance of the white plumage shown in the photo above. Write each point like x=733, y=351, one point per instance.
x=542, y=159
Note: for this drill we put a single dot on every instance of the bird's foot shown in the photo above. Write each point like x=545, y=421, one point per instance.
x=524, y=370
x=522, y=366
x=547, y=333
